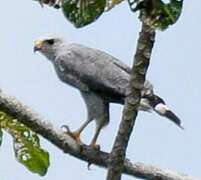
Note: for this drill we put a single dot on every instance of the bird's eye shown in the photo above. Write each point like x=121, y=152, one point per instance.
x=50, y=41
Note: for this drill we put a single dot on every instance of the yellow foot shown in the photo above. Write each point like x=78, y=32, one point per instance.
x=75, y=135
x=95, y=146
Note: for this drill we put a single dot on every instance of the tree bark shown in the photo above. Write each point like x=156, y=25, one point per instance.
x=139, y=69
x=56, y=136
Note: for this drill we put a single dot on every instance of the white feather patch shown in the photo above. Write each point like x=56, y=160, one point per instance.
x=161, y=108
x=144, y=105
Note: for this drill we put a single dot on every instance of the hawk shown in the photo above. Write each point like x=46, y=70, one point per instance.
x=101, y=79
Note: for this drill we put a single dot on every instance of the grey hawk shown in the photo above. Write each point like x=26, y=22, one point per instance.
x=101, y=79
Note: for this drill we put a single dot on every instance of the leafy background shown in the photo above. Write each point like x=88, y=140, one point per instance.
x=174, y=71
x=154, y=13
x=26, y=144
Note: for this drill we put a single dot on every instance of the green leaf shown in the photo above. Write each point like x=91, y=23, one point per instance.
x=112, y=3
x=157, y=14
x=82, y=12
x=26, y=145
x=1, y=136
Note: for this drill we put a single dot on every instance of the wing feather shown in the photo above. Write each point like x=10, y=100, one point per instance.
x=92, y=69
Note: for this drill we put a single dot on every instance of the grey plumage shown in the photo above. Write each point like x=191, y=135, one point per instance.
x=100, y=77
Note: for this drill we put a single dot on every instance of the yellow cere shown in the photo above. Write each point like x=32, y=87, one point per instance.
x=38, y=44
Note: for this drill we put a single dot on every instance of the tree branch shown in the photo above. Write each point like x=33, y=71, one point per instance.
x=139, y=69
x=56, y=136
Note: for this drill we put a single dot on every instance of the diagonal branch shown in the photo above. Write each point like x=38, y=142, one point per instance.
x=36, y=122
x=139, y=69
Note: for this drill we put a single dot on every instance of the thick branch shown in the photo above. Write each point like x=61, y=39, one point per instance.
x=36, y=122
x=139, y=69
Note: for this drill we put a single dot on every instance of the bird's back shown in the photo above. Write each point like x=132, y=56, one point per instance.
x=101, y=72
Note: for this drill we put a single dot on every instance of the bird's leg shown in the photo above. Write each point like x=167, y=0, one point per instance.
x=93, y=142
x=76, y=134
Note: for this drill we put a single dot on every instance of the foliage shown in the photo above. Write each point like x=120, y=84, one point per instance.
x=157, y=14
x=83, y=12
x=111, y=3
x=26, y=144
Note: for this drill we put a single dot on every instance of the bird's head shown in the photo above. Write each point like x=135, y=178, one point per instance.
x=49, y=45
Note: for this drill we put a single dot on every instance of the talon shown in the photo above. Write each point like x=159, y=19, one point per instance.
x=95, y=146
x=88, y=165
x=65, y=128
x=75, y=135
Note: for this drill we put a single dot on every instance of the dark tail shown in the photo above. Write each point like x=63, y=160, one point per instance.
x=170, y=115
x=158, y=104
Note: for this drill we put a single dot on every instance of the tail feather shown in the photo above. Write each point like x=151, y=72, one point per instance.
x=170, y=115
x=158, y=104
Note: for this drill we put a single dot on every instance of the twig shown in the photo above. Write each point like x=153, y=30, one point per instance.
x=37, y=123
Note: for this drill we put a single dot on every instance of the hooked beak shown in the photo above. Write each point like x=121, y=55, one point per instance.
x=37, y=46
